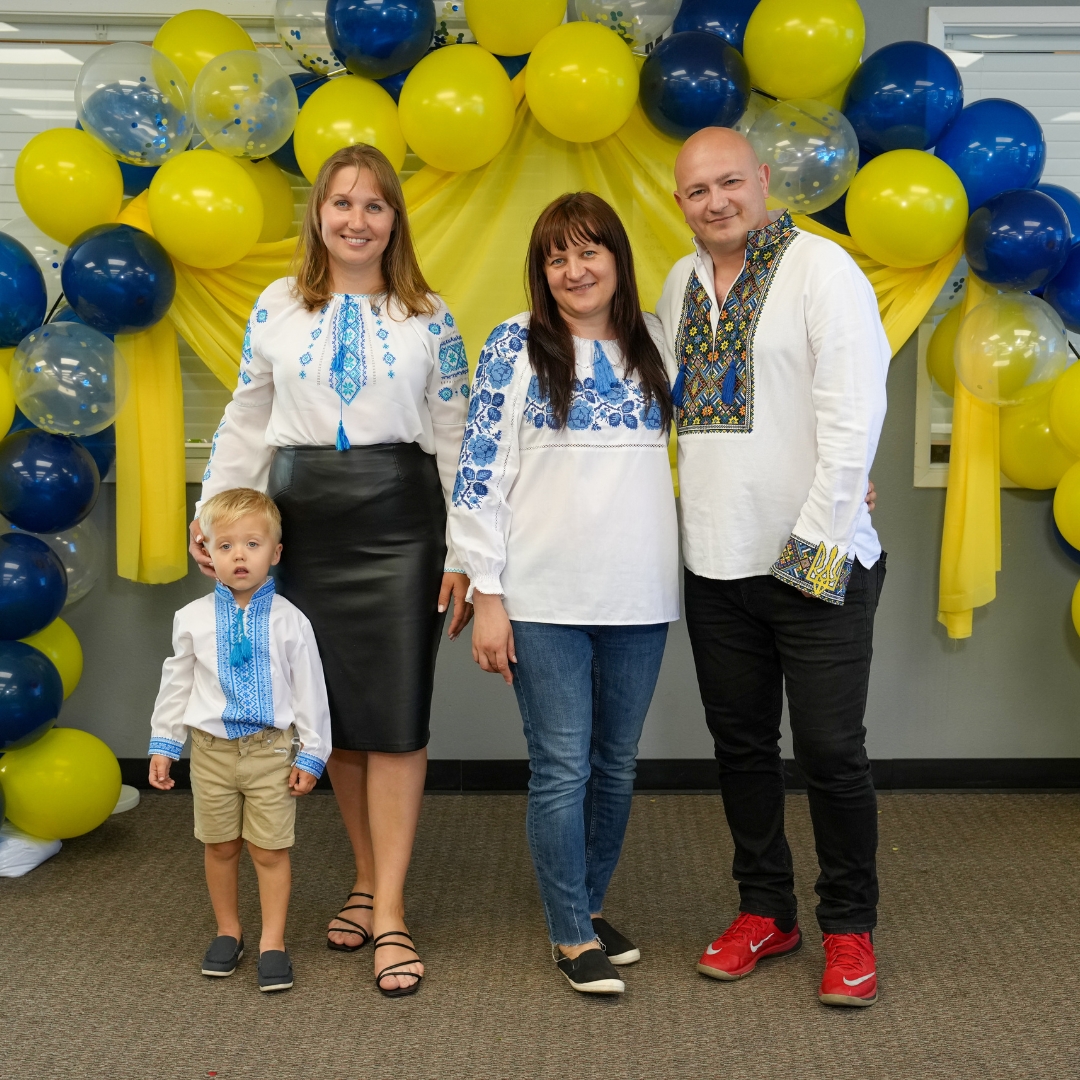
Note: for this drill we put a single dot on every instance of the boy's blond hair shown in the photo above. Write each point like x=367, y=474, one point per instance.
x=229, y=506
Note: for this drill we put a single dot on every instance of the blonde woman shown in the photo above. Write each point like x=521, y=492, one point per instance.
x=349, y=412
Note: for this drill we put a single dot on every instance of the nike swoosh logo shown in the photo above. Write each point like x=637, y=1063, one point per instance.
x=754, y=948
x=860, y=979
x=711, y=951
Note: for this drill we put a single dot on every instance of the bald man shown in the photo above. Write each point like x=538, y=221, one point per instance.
x=778, y=361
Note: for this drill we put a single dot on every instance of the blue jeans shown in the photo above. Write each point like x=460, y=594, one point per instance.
x=583, y=692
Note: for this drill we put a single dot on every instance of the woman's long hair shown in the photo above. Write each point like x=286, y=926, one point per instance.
x=404, y=279
x=584, y=218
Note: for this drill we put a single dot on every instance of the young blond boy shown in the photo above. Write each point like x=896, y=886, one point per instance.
x=246, y=680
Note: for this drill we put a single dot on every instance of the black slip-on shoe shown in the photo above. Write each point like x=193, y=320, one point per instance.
x=620, y=950
x=591, y=973
x=275, y=971
x=222, y=956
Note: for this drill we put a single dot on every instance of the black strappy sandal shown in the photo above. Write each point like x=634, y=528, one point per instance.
x=398, y=991
x=360, y=932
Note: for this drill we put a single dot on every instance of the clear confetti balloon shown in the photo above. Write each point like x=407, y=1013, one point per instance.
x=69, y=379
x=952, y=291
x=811, y=150
x=640, y=23
x=48, y=253
x=134, y=99
x=301, y=28
x=245, y=104
x=451, y=26
x=756, y=104
x=82, y=551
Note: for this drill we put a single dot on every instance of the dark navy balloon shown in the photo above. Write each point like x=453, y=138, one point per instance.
x=834, y=216
x=1068, y=202
x=66, y=314
x=1018, y=240
x=136, y=177
x=393, y=84
x=20, y=423
x=33, y=585
x=903, y=97
x=513, y=65
x=377, y=38
x=1063, y=291
x=728, y=18
x=23, y=300
x=48, y=483
x=102, y=448
x=31, y=694
x=993, y=146
x=694, y=80
x=118, y=279
x=305, y=84
x=1064, y=544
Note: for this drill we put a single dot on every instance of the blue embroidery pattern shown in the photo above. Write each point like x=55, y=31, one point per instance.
x=261, y=315
x=306, y=357
x=622, y=406
x=446, y=393
x=348, y=369
x=718, y=393
x=170, y=748
x=814, y=570
x=310, y=764
x=248, y=687
x=483, y=432
x=435, y=328
x=448, y=319
x=452, y=360
x=383, y=335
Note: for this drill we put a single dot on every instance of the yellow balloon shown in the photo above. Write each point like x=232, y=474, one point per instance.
x=939, y=353
x=835, y=96
x=346, y=111
x=204, y=209
x=794, y=48
x=277, y=198
x=512, y=29
x=1065, y=410
x=456, y=108
x=1076, y=608
x=59, y=643
x=67, y=182
x=1066, y=506
x=7, y=403
x=61, y=785
x=581, y=82
x=193, y=38
x=1030, y=455
x=906, y=208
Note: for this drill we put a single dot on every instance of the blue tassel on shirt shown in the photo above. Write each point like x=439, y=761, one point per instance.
x=342, y=439
x=727, y=388
x=603, y=377
x=677, y=389
x=240, y=652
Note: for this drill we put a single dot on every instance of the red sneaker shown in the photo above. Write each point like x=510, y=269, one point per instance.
x=850, y=970
x=747, y=940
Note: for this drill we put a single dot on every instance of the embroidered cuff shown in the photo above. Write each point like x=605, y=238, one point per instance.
x=169, y=748
x=453, y=570
x=814, y=570
x=309, y=763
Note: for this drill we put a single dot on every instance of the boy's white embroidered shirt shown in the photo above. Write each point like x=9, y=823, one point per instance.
x=570, y=525
x=210, y=684
x=395, y=381
x=783, y=399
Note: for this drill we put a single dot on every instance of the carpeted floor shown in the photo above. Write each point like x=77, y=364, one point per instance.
x=978, y=946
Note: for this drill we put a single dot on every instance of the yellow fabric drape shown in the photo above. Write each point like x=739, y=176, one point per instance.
x=971, y=538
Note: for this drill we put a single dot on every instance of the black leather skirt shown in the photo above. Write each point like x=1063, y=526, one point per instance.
x=364, y=535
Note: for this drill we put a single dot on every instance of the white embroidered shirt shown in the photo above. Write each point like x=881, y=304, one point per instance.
x=575, y=524
x=384, y=379
x=216, y=683
x=783, y=398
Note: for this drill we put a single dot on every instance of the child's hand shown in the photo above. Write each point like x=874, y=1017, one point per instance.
x=300, y=782
x=159, y=772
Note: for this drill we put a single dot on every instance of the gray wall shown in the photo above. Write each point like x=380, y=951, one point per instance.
x=1008, y=691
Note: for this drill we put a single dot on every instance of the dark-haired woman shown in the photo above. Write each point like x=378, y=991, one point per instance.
x=349, y=413
x=564, y=518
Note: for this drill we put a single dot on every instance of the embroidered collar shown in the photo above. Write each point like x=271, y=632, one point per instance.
x=263, y=592
x=774, y=233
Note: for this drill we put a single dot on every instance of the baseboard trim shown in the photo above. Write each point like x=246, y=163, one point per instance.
x=699, y=774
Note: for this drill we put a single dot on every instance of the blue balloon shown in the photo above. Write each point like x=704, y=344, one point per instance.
x=834, y=216
x=993, y=146
x=66, y=314
x=305, y=83
x=393, y=84
x=1064, y=544
x=514, y=65
x=1063, y=292
x=1068, y=202
x=377, y=38
x=20, y=423
x=102, y=448
x=1018, y=240
x=694, y=80
x=33, y=585
x=118, y=279
x=136, y=177
x=903, y=97
x=23, y=300
x=31, y=694
x=48, y=483
x=728, y=18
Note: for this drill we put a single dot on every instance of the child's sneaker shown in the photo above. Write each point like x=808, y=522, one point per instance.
x=222, y=956
x=275, y=971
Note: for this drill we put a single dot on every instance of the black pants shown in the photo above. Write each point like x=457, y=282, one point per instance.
x=750, y=637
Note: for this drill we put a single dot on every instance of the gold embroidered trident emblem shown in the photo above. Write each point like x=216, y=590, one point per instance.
x=826, y=573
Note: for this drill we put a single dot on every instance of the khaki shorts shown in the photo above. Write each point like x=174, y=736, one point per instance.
x=241, y=787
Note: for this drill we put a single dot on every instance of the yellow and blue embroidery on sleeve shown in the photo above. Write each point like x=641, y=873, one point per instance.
x=814, y=570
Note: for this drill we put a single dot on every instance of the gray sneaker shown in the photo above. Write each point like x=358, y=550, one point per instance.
x=275, y=971
x=222, y=956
